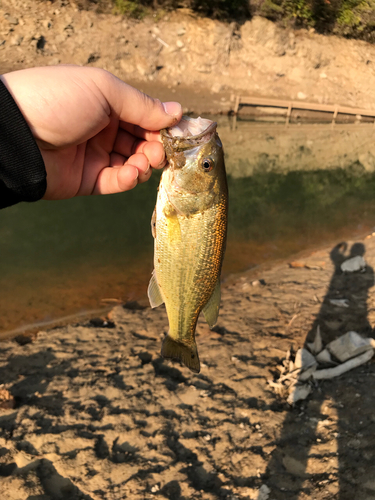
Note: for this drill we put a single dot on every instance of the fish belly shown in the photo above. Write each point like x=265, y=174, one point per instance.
x=188, y=255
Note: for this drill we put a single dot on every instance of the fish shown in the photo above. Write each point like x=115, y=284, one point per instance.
x=189, y=226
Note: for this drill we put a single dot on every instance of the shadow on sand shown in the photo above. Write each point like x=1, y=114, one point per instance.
x=291, y=466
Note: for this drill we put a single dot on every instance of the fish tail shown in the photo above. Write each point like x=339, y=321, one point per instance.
x=187, y=354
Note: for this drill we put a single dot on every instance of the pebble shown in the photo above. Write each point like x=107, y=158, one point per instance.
x=11, y=19
x=16, y=40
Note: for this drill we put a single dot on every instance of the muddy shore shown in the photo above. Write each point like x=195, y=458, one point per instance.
x=95, y=413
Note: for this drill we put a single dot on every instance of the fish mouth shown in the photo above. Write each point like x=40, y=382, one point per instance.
x=181, y=136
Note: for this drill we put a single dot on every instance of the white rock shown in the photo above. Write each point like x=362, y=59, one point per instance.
x=301, y=95
x=180, y=44
x=354, y=264
x=298, y=392
x=348, y=346
x=339, y=302
x=304, y=359
x=324, y=357
x=317, y=345
x=323, y=75
x=263, y=492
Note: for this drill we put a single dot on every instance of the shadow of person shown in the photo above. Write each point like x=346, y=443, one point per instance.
x=295, y=463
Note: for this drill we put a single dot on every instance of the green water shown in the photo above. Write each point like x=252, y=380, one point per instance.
x=61, y=258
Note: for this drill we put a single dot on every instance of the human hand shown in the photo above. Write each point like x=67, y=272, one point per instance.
x=96, y=134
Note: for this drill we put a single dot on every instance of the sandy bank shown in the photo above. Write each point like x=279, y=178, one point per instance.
x=98, y=414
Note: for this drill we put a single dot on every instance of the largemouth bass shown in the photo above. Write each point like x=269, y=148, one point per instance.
x=189, y=226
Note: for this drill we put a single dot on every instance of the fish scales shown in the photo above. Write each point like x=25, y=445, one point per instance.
x=189, y=227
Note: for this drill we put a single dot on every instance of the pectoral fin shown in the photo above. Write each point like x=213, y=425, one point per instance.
x=211, y=309
x=153, y=292
x=187, y=354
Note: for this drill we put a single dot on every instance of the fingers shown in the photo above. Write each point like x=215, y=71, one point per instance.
x=132, y=106
x=127, y=145
x=122, y=176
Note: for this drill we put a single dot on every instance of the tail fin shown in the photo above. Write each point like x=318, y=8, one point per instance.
x=187, y=354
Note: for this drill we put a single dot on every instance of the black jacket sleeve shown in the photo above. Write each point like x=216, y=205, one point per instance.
x=22, y=171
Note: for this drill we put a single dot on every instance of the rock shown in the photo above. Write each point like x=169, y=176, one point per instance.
x=93, y=58
x=316, y=346
x=181, y=31
x=370, y=485
x=304, y=359
x=11, y=19
x=322, y=75
x=354, y=264
x=349, y=345
x=264, y=492
x=216, y=87
x=294, y=467
x=298, y=393
x=15, y=40
x=180, y=44
x=339, y=302
x=324, y=357
x=301, y=96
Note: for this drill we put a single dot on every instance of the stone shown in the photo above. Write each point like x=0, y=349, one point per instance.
x=301, y=96
x=216, y=87
x=264, y=492
x=11, y=19
x=298, y=393
x=15, y=40
x=354, y=264
x=304, y=359
x=349, y=345
x=294, y=467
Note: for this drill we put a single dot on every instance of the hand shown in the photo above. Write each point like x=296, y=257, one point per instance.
x=96, y=134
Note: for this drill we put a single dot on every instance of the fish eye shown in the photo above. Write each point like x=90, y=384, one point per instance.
x=207, y=164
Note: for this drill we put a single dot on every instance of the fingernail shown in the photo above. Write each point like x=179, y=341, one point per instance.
x=172, y=108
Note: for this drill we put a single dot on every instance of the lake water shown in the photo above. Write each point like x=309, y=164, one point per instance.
x=290, y=190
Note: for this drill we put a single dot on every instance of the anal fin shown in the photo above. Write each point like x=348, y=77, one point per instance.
x=153, y=292
x=187, y=354
x=211, y=309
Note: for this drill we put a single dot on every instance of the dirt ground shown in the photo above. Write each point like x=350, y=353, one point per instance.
x=198, y=61
x=99, y=415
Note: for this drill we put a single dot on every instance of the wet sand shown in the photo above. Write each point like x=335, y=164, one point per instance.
x=99, y=415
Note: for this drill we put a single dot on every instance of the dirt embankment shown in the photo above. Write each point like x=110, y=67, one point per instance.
x=201, y=61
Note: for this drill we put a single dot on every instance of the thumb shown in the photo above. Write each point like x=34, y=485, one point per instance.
x=133, y=106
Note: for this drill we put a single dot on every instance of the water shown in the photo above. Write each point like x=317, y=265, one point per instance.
x=290, y=190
